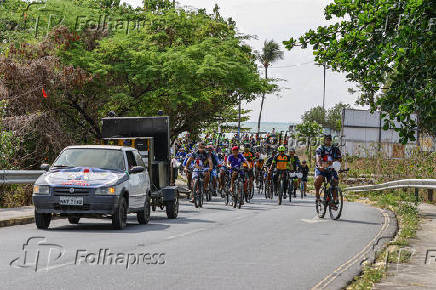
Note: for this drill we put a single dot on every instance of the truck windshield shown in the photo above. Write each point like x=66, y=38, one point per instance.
x=93, y=158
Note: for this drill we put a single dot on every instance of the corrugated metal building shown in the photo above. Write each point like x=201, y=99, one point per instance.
x=363, y=135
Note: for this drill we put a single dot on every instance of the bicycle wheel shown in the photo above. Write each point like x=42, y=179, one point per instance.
x=241, y=194
x=321, y=205
x=281, y=190
x=235, y=194
x=251, y=195
x=209, y=195
x=196, y=193
x=291, y=190
x=302, y=189
x=200, y=194
x=336, y=213
x=266, y=190
x=261, y=186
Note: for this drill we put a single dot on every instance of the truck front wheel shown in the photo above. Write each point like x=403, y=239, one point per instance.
x=42, y=220
x=119, y=219
x=144, y=215
x=74, y=220
x=172, y=208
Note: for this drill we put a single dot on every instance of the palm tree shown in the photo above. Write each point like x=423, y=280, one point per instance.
x=270, y=53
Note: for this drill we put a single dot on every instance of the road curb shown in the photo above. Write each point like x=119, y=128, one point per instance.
x=17, y=221
x=344, y=274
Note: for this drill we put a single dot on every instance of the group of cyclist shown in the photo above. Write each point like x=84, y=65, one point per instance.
x=255, y=164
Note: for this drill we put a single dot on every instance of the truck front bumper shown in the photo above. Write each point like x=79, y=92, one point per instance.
x=92, y=204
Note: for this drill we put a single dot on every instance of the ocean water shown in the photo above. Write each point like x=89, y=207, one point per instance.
x=265, y=126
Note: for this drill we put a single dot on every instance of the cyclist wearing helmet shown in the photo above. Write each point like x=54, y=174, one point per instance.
x=202, y=155
x=214, y=173
x=294, y=166
x=234, y=162
x=249, y=156
x=305, y=171
x=259, y=163
x=326, y=154
x=280, y=164
x=221, y=172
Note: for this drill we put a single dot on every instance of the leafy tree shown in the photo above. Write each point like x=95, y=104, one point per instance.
x=8, y=142
x=192, y=65
x=387, y=46
x=308, y=131
x=270, y=53
x=334, y=116
x=316, y=114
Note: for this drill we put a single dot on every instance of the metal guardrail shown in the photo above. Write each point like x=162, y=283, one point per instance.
x=429, y=184
x=405, y=183
x=19, y=176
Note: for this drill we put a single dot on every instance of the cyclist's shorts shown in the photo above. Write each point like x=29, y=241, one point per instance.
x=327, y=174
x=304, y=178
x=195, y=172
x=242, y=172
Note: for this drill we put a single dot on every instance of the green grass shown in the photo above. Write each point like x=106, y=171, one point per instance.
x=402, y=204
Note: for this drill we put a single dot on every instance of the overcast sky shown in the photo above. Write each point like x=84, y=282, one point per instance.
x=279, y=20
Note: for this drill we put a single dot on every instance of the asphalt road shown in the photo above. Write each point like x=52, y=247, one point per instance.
x=261, y=246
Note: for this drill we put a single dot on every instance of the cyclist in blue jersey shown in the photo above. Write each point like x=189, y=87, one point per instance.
x=235, y=162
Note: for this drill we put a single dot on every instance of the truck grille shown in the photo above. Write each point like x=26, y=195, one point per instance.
x=66, y=191
x=57, y=206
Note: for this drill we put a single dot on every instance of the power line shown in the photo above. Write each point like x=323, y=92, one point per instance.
x=293, y=65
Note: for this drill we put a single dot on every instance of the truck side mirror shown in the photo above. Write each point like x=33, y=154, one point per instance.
x=136, y=169
x=45, y=167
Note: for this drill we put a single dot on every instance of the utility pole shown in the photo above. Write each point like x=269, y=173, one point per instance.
x=239, y=122
x=323, y=96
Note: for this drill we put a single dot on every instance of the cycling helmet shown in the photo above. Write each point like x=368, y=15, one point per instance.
x=327, y=136
x=235, y=148
x=281, y=148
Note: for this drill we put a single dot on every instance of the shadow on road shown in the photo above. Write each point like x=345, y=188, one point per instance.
x=357, y=222
x=132, y=227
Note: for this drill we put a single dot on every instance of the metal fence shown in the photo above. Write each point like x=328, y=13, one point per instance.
x=429, y=184
x=19, y=176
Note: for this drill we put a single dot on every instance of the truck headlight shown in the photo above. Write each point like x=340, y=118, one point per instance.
x=41, y=189
x=105, y=190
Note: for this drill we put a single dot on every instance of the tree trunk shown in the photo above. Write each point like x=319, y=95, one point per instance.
x=261, y=104
x=239, y=121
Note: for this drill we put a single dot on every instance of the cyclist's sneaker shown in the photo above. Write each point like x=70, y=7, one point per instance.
x=285, y=196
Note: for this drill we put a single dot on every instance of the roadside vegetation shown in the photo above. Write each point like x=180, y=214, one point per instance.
x=378, y=169
x=403, y=205
x=66, y=64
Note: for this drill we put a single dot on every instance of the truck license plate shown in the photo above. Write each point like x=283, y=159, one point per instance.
x=71, y=200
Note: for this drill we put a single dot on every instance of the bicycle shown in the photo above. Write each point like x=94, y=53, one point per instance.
x=302, y=188
x=335, y=208
x=260, y=181
x=198, y=189
x=238, y=192
x=268, y=187
x=227, y=186
x=292, y=188
x=281, y=185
